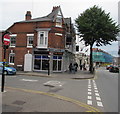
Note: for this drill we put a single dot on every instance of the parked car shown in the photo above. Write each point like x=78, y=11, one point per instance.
x=114, y=69
x=108, y=67
x=8, y=69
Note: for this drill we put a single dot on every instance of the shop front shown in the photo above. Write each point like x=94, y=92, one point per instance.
x=42, y=60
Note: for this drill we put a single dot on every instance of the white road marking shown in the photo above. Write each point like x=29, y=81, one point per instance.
x=89, y=81
x=89, y=93
x=98, y=98
x=29, y=80
x=96, y=91
x=97, y=94
x=100, y=104
x=89, y=97
x=89, y=102
x=89, y=90
x=53, y=83
x=89, y=87
x=95, y=88
x=93, y=80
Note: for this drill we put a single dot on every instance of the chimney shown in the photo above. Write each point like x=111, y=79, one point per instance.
x=55, y=7
x=28, y=15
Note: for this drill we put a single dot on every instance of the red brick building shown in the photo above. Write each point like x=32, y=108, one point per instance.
x=39, y=41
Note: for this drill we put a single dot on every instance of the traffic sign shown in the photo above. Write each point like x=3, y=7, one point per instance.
x=6, y=39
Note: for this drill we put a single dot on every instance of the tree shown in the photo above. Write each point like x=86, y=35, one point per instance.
x=96, y=27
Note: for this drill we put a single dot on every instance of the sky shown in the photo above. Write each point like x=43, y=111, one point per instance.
x=12, y=11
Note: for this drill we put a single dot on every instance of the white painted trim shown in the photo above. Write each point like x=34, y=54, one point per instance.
x=29, y=46
x=13, y=35
x=59, y=34
x=30, y=34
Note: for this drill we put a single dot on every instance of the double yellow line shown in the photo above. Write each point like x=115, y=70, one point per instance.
x=89, y=108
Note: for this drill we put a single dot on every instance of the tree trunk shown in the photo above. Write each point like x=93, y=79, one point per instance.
x=91, y=60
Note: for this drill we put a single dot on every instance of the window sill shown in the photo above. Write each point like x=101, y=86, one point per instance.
x=11, y=63
x=12, y=46
x=29, y=46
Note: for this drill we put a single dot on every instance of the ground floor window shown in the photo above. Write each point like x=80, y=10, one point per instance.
x=57, y=63
x=41, y=62
x=11, y=58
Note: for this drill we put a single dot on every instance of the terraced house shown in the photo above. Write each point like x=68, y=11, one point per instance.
x=43, y=42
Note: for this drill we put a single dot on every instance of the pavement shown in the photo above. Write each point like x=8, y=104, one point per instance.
x=23, y=100
x=80, y=74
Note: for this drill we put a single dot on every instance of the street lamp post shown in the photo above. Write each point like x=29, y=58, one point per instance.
x=48, y=64
x=6, y=42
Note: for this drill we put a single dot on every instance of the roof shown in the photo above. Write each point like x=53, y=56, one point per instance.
x=49, y=17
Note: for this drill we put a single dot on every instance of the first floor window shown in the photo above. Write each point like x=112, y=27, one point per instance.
x=11, y=58
x=13, y=40
x=42, y=39
x=30, y=38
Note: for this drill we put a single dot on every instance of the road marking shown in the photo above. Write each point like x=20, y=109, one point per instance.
x=98, y=98
x=28, y=80
x=89, y=82
x=89, y=93
x=95, y=88
x=97, y=94
x=89, y=97
x=53, y=83
x=100, y=104
x=89, y=102
x=96, y=91
x=89, y=90
x=89, y=87
x=89, y=108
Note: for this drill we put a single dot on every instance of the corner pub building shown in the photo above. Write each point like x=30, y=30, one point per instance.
x=41, y=42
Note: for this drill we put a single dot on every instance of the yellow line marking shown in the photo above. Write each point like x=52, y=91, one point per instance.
x=90, y=108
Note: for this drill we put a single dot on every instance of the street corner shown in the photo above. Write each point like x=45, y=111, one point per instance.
x=38, y=101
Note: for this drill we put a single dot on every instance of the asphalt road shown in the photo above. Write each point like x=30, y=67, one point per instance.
x=100, y=92
x=107, y=83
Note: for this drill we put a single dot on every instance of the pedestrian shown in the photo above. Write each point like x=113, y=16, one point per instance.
x=81, y=66
x=73, y=69
x=84, y=66
x=70, y=68
x=76, y=66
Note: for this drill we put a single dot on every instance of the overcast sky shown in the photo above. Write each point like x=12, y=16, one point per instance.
x=14, y=10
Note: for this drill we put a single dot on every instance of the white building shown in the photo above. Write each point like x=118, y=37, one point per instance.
x=82, y=53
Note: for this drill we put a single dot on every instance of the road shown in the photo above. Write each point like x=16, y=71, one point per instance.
x=107, y=83
x=100, y=92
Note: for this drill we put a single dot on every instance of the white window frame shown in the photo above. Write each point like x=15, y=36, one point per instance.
x=11, y=55
x=45, y=39
x=28, y=45
x=13, y=35
x=59, y=20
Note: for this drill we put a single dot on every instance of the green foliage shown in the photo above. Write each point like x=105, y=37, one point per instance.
x=95, y=26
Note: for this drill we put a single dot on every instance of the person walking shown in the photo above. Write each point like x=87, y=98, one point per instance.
x=70, y=68
x=76, y=66
x=81, y=66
